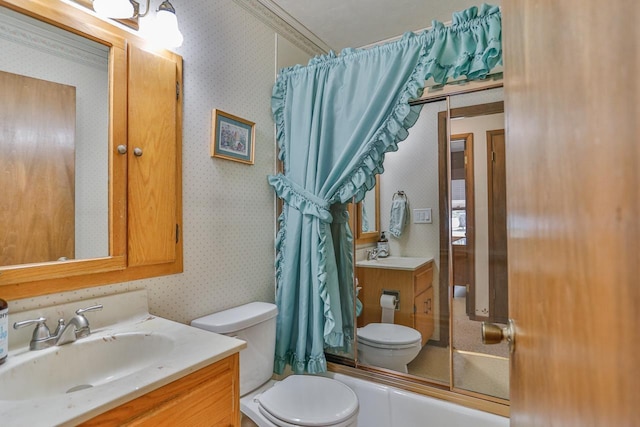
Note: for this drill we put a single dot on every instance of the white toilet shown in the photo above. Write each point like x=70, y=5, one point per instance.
x=388, y=345
x=297, y=400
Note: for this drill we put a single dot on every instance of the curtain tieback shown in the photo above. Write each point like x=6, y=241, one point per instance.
x=296, y=196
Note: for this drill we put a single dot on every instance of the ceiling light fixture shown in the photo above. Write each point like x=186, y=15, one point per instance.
x=167, y=25
x=116, y=9
x=165, y=28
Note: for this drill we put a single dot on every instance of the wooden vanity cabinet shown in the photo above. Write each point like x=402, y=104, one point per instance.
x=416, y=296
x=207, y=397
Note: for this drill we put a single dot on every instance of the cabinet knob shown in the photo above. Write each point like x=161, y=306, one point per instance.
x=122, y=149
x=137, y=151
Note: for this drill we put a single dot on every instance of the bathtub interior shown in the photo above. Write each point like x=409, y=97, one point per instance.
x=384, y=406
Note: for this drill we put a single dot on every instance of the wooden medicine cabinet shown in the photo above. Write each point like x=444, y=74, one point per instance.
x=138, y=172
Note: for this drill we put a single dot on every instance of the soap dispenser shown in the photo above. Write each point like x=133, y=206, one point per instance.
x=383, y=246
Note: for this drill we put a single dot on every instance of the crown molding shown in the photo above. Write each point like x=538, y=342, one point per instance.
x=285, y=25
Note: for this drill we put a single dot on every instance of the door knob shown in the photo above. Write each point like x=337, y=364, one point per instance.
x=494, y=334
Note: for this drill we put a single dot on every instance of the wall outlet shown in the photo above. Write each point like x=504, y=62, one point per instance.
x=422, y=216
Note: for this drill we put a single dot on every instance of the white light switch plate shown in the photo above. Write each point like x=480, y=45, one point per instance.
x=422, y=216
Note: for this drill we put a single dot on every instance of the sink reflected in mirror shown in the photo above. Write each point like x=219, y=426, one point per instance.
x=87, y=363
x=394, y=262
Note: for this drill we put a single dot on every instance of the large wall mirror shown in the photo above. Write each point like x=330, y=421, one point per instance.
x=63, y=204
x=446, y=167
x=54, y=150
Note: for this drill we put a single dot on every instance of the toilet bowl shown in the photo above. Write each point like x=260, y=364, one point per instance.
x=297, y=400
x=387, y=345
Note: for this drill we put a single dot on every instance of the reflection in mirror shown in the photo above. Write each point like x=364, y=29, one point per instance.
x=413, y=269
x=478, y=248
x=367, y=217
x=461, y=232
x=368, y=212
x=54, y=130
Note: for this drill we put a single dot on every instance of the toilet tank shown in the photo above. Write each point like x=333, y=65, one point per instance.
x=254, y=323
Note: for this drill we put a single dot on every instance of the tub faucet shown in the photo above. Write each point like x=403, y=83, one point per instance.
x=78, y=327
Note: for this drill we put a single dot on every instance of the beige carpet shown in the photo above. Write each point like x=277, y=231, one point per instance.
x=467, y=334
x=476, y=366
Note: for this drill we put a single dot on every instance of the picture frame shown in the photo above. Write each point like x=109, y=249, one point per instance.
x=233, y=138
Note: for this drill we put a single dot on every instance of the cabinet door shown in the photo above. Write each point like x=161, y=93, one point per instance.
x=423, y=320
x=208, y=397
x=152, y=150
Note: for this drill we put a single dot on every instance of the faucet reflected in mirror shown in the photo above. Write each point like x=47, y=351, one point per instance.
x=76, y=328
x=424, y=156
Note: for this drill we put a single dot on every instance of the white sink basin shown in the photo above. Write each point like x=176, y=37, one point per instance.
x=83, y=364
x=395, y=263
x=128, y=354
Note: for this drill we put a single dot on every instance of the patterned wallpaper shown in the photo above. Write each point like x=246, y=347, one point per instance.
x=229, y=221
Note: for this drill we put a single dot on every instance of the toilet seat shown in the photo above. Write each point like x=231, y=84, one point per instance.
x=388, y=336
x=310, y=401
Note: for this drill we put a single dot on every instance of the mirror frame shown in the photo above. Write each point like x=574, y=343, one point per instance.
x=25, y=280
x=368, y=236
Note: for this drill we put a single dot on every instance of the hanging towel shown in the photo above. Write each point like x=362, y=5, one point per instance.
x=399, y=214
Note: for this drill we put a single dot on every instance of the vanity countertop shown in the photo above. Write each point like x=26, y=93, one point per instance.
x=395, y=263
x=192, y=349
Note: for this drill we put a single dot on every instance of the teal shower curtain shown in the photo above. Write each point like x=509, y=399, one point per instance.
x=335, y=119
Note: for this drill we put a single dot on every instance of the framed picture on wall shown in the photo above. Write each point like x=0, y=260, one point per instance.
x=233, y=138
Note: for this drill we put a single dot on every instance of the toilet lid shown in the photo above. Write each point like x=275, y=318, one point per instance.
x=308, y=400
x=388, y=334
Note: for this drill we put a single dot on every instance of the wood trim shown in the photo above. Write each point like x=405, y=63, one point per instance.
x=497, y=312
x=118, y=162
x=72, y=19
x=443, y=203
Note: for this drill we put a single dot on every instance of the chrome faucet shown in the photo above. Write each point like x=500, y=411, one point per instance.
x=372, y=254
x=78, y=327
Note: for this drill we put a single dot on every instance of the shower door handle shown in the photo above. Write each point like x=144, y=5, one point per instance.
x=494, y=334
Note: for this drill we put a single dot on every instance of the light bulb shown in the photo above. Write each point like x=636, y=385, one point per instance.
x=166, y=29
x=118, y=9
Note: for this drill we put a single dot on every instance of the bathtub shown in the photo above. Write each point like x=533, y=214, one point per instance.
x=385, y=406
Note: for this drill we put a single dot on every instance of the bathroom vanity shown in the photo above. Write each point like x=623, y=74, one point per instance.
x=133, y=369
x=412, y=278
x=209, y=396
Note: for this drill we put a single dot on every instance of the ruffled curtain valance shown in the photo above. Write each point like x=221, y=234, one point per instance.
x=335, y=119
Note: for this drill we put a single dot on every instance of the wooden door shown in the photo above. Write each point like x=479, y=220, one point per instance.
x=37, y=170
x=497, y=213
x=573, y=161
x=153, y=101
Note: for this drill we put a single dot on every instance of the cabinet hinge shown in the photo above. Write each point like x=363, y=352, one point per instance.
x=177, y=233
x=177, y=90
x=493, y=156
